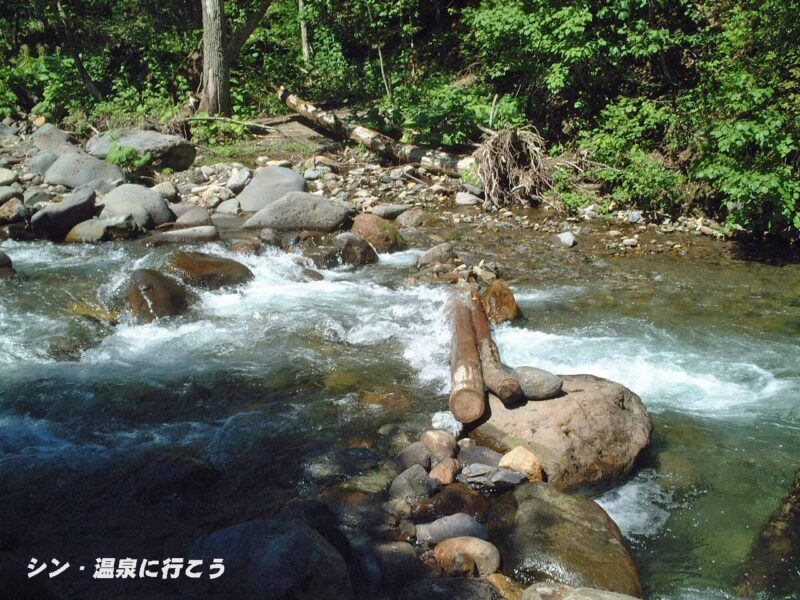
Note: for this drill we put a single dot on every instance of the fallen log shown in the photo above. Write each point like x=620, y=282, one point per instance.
x=499, y=381
x=433, y=160
x=467, y=395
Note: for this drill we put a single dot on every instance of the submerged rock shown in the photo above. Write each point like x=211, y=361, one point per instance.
x=268, y=185
x=398, y=563
x=208, y=271
x=383, y=236
x=152, y=295
x=544, y=534
x=6, y=266
x=484, y=554
x=452, y=588
x=453, y=499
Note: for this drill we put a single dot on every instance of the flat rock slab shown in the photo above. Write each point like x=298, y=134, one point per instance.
x=75, y=169
x=546, y=535
x=166, y=151
x=591, y=435
x=208, y=271
x=297, y=211
x=188, y=235
x=268, y=185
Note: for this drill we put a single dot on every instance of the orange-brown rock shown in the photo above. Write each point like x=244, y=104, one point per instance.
x=499, y=303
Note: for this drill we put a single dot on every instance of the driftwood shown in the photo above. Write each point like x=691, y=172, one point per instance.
x=499, y=381
x=432, y=160
x=467, y=395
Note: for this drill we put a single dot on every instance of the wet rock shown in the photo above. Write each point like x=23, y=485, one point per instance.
x=278, y=559
x=398, y=563
x=415, y=454
x=76, y=169
x=484, y=554
x=393, y=399
x=399, y=509
x=194, y=217
x=490, y=478
x=297, y=211
x=456, y=525
x=189, y=235
x=171, y=473
x=592, y=435
x=41, y=162
x=499, y=303
x=12, y=211
x=441, y=253
x=152, y=295
x=412, y=218
x=440, y=444
x=268, y=185
x=249, y=247
x=451, y=500
x=451, y=588
x=390, y=211
x=353, y=250
x=446, y=421
x=467, y=199
x=166, y=151
x=567, y=239
x=57, y=219
x=383, y=236
x=538, y=384
x=208, y=271
x=101, y=230
x=7, y=267
x=50, y=138
x=544, y=534
x=445, y=471
x=479, y=454
x=559, y=591
x=146, y=206
x=411, y=485
x=508, y=588
x=524, y=461
x=269, y=237
x=8, y=192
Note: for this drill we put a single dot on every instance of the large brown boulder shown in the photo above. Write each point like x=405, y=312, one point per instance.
x=152, y=295
x=591, y=435
x=499, y=303
x=546, y=535
x=383, y=236
x=208, y=271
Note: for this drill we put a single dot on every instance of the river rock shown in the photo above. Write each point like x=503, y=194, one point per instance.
x=152, y=295
x=268, y=185
x=297, y=211
x=166, y=151
x=445, y=471
x=170, y=473
x=12, y=211
x=189, y=235
x=238, y=179
x=8, y=192
x=229, y=207
x=524, y=461
x=7, y=176
x=414, y=454
x=559, y=591
x=484, y=554
x=544, y=534
x=57, y=219
x=208, y=271
x=277, y=559
x=398, y=563
x=50, y=138
x=390, y=211
x=441, y=253
x=34, y=196
x=592, y=435
x=479, y=454
x=508, y=588
x=76, y=169
x=451, y=588
x=451, y=500
x=412, y=218
x=440, y=444
x=411, y=485
x=168, y=191
x=122, y=227
x=567, y=239
x=353, y=250
x=538, y=384
x=467, y=199
x=7, y=268
x=146, y=206
x=456, y=525
x=41, y=162
x=499, y=303
x=383, y=236
x=194, y=217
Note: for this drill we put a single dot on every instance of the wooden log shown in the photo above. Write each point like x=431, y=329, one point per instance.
x=467, y=395
x=433, y=160
x=499, y=381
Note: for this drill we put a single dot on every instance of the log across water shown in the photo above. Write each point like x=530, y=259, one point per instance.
x=467, y=396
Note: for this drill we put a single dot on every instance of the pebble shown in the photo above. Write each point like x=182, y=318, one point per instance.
x=440, y=444
x=567, y=239
x=446, y=471
x=466, y=199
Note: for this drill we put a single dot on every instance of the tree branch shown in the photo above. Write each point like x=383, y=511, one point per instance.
x=240, y=37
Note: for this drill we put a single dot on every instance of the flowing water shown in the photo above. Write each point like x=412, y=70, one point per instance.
x=265, y=384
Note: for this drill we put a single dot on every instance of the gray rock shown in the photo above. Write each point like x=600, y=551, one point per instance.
x=75, y=169
x=451, y=588
x=41, y=162
x=99, y=230
x=148, y=207
x=312, y=174
x=229, y=207
x=269, y=237
x=411, y=218
x=441, y=253
x=194, y=217
x=466, y=199
x=8, y=192
x=167, y=190
x=457, y=525
x=411, y=485
x=440, y=444
x=298, y=211
x=567, y=239
x=538, y=384
x=390, y=211
x=180, y=209
x=238, y=179
x=102, y=186
x=480, y=455
x=34, y=196
x=50, y=138
x=485, y=476
x=559, y=591
x=55, y=220
x=268, y=185
x=398, y=563
x=634, y=216
x=414, y=454
x=473, y=189
x=7, y=177
x=190, y=235
x=166, y=151
x=277, y=559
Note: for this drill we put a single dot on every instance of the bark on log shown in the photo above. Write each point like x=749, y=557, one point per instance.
x=467, y=395
x=432, y=160
x=499, y=381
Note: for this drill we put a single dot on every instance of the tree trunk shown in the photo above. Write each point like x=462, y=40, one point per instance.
x=499, y=381
x=304, y=34
x=215, y=95
x=467, y=396
x=72, y=48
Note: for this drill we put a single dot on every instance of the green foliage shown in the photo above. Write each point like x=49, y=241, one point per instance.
x=127, y=158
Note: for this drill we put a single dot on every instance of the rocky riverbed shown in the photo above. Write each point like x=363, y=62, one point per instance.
x=252, y=360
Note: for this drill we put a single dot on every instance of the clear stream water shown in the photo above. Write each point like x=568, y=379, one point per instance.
x=262, y=381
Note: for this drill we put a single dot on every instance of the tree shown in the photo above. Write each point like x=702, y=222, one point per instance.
x=220, y=50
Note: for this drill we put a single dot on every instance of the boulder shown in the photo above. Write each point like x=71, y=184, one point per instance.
x=189, y=235
x=41, y=162
x=451, y=500
x=484, y=554
x=268, y=185
x=207, y=271
x=467, y=199
x=538, y=384
x=75, y=169
x=592, y=435
x=441, y=253
x=8, y=192
x=152, y=295
x=546, y=535
x=194, y=217
x=12, y=211
x=147, y=207
x=390, y=211
x=49, y=138
x=451, y=588
x=122, y=227
x=440, y=444
x=383, y=236
x=352, y=250
x=166, y=151
x=411, y=485
x=57, y=219
x=457, y=525
x=398, y=563
x=6, y=266
x=499, y=303
x=229, y=207
x=412, y=218
x=7, y=176
x=559, y=591
x=297, y=211
x=277, y=559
